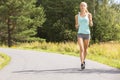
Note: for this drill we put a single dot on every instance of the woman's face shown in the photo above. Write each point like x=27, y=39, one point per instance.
x=83, y=6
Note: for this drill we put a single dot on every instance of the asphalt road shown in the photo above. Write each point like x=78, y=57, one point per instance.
x=33, y=65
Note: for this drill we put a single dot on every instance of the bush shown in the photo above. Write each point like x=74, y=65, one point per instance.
x=69, y=35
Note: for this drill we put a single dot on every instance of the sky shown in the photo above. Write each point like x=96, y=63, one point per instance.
x=117, y=1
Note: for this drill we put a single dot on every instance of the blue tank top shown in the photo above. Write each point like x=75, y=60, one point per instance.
x=83, y=23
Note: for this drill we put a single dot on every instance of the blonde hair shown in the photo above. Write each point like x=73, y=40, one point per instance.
x=85, y=5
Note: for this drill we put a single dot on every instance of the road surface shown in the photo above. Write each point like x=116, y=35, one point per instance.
x=33, y=65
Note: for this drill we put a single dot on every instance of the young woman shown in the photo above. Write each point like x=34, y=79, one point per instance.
x=82, y=22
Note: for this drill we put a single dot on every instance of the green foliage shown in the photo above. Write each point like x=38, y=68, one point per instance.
x=107, y=53
x=59, y=25
x=32, y=39
x=20, y=19
x=68, y=35
x=60, y=20
x=4, y=60
x=106, y=27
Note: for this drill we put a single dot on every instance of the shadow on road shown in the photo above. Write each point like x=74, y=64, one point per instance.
x=70, y=70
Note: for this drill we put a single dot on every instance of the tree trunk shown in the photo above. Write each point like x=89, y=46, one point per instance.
x=9, y=35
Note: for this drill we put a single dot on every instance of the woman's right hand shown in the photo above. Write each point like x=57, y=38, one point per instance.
x=76, y=26
x=76, y=22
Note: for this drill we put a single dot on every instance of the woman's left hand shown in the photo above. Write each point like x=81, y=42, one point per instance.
x=90, y=19
x=90, y=16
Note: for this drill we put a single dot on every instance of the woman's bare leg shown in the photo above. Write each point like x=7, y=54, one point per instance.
x=86, y=44
x=81, y=45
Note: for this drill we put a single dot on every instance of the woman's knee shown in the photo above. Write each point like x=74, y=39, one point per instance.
x=85, y=50
x=82, y=50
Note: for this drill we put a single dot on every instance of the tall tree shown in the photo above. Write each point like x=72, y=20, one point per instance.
x=59, y=25
x=106, y=25
x=60, y=19
x=20, y=19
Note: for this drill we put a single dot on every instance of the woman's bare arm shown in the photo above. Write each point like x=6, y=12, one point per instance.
x=76, y=21
x=90, y=19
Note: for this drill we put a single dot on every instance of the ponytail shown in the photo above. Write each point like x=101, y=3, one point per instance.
x=87, y=11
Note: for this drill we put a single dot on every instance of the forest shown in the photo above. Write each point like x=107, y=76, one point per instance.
x=53, y=20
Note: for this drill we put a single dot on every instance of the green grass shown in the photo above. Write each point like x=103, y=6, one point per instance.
x=4, y=60
x=106, y=53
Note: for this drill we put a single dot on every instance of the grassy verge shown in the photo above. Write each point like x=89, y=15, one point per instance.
x=4, y=60
x=106, y=53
